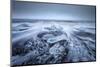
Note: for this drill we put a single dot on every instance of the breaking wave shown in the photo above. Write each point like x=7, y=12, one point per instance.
x=51, y=43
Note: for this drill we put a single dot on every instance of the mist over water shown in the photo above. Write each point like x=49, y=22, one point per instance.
x=47, y=42
x=51, y=33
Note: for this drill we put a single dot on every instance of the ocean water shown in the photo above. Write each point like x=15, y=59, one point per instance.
x=53, y=42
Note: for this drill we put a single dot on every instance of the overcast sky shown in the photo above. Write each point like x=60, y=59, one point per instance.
x=32, y=10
